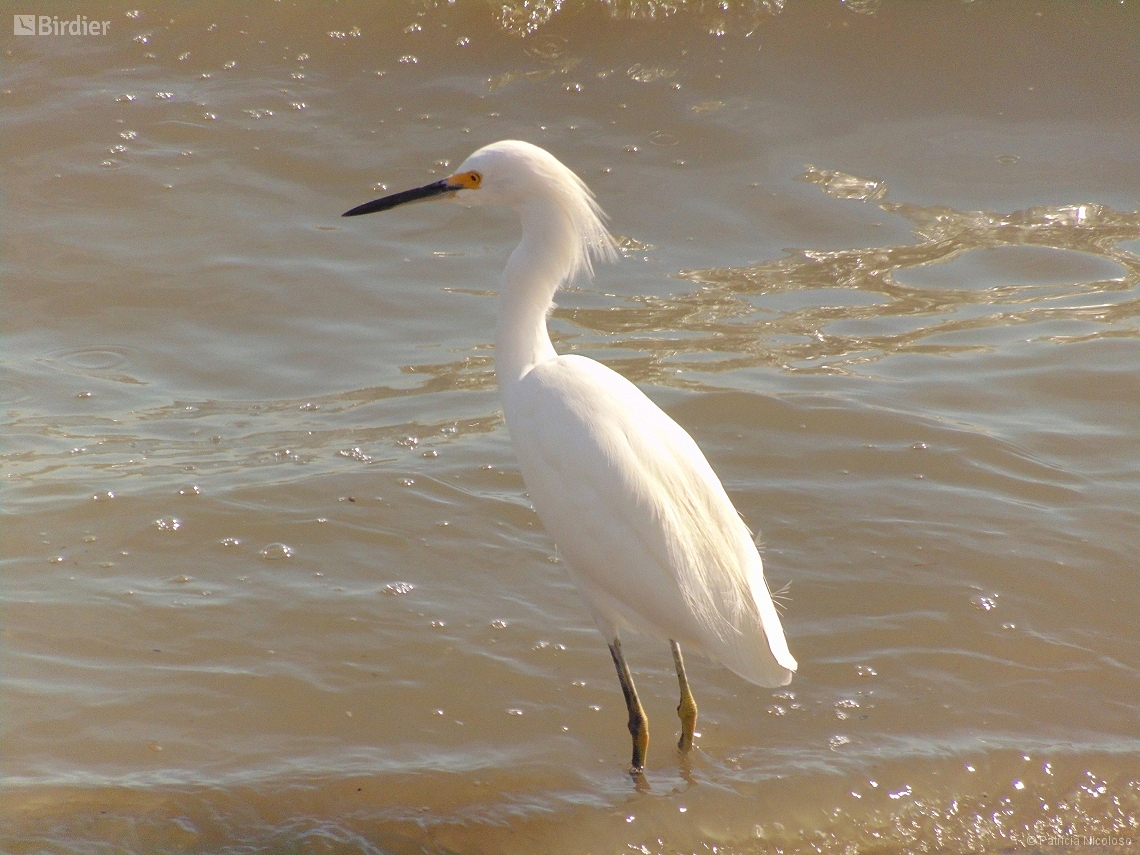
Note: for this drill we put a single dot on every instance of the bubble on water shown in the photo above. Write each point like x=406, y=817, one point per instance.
x=396, y=589
x=838, y=741
x=276, y=552
x=499, y=624
x=649, y=74
x=181, y=580
x=194, y=490
x=842, y=707
x=985, y=603
x=230, y=541
x=167, y=524
x=355, y=454
x=514, y=711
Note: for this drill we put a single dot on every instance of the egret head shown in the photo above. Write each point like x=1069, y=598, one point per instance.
x=528, y=179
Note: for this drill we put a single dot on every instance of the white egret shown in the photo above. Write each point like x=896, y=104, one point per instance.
x=648, y=534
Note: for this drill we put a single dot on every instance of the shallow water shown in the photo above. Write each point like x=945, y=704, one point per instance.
x=272, y=582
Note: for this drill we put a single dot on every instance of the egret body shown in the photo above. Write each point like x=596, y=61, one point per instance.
x=648, y=534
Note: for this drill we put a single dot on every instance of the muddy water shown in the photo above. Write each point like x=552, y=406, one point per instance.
x=271, y=579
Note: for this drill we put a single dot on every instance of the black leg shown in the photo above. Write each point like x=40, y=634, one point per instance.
x=638, y=721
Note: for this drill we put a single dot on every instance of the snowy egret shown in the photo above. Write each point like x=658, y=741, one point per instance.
x=648, y=534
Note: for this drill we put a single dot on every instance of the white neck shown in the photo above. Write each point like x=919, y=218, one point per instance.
x=538, y=266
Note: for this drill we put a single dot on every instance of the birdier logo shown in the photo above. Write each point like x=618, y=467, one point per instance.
x=51, y=25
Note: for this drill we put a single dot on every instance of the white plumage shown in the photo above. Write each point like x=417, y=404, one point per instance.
x=648, y=534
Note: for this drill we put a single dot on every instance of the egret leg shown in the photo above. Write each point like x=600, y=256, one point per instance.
x=638, y=720
x=687, y=709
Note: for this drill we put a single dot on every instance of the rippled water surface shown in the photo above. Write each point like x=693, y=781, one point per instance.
x=271, y=579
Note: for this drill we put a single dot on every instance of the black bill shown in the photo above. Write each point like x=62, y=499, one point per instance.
x=436, y=188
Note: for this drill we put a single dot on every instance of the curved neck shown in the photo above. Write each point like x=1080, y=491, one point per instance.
x=539, y=265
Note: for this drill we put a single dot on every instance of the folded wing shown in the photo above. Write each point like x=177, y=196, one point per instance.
x=650, y=536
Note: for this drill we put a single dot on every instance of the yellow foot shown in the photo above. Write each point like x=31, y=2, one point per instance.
x=640, y=732
x=687, y=711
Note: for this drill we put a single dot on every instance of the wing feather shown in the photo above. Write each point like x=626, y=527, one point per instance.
x=652, y=539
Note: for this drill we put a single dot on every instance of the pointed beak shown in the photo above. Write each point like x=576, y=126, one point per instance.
x=428, y=191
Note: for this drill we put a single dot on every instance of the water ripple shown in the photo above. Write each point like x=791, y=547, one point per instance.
x=858, y=311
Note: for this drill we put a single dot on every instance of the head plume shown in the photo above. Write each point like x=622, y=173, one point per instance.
x=539, y=186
